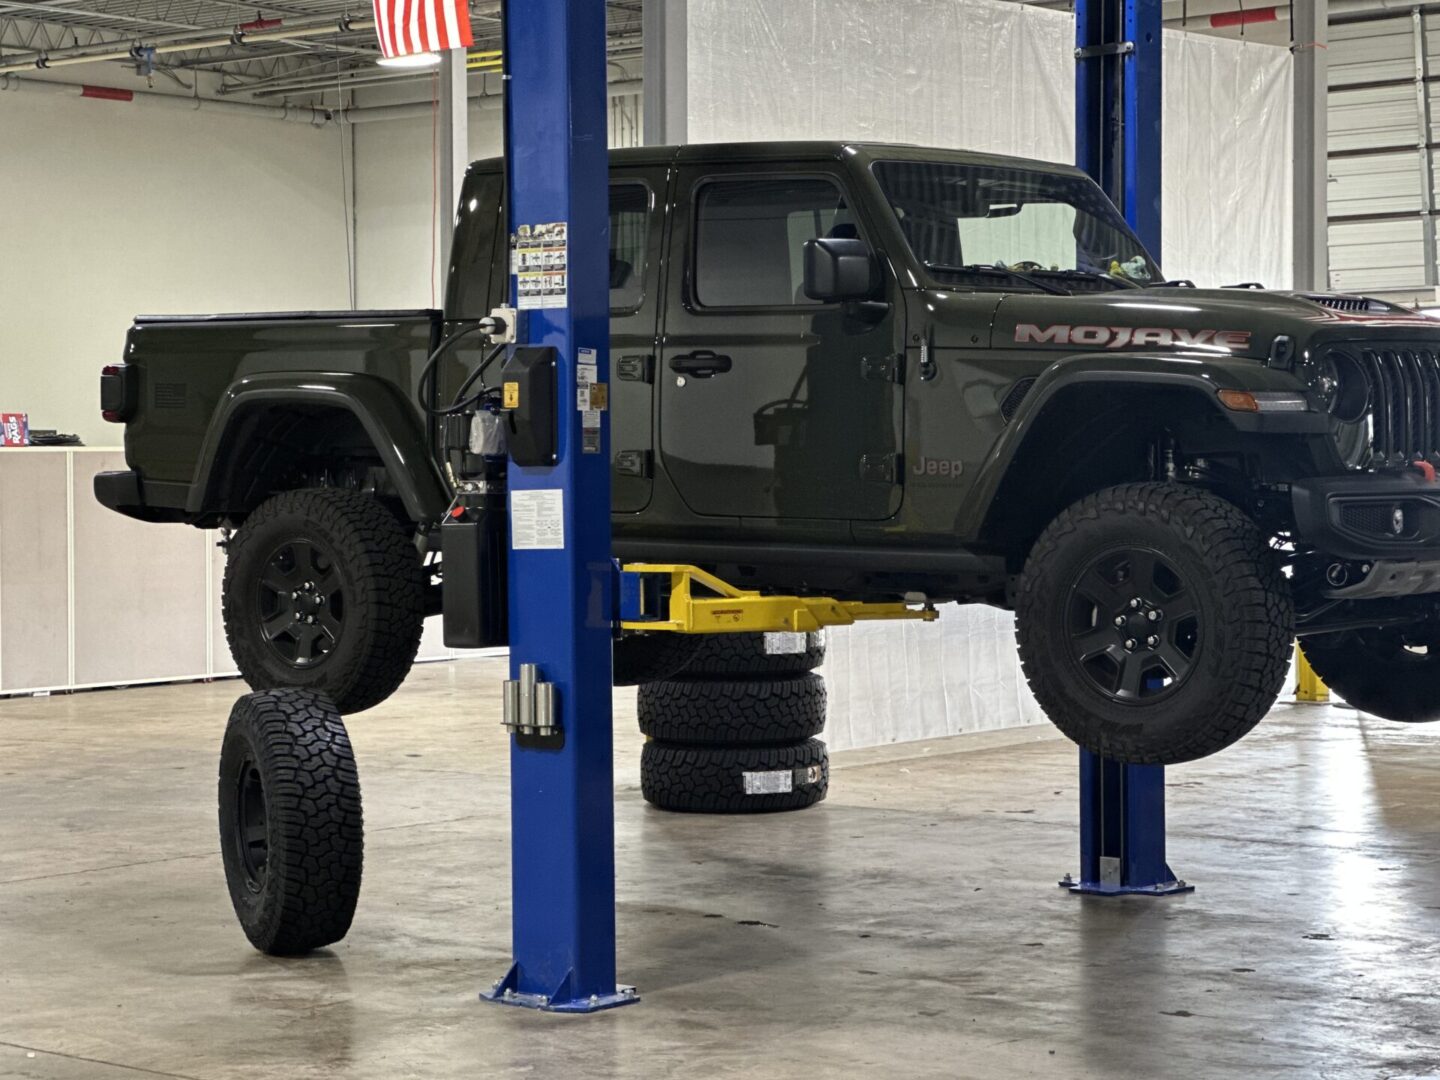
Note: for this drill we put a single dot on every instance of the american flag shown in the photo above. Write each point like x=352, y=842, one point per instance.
x=416, y=26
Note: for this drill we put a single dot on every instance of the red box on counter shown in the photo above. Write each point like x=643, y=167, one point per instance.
x=14, y=429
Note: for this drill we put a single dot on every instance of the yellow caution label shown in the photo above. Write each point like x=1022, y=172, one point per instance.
x=512, y=395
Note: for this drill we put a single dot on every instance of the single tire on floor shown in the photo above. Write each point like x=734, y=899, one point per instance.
x=734, y=779
x=733, y=712
x=324, y=591
x=291, y=833
x=729, y=655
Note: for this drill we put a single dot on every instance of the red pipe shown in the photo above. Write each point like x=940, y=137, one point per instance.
x=107, y=93
x=1245, y=18
x=260, y=23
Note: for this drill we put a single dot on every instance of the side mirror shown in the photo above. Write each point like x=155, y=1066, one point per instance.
x=840, y=269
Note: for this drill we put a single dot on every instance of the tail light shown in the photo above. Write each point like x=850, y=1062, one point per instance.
x=117, y=393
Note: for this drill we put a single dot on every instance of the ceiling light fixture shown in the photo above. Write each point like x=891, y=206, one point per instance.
x=412, y=60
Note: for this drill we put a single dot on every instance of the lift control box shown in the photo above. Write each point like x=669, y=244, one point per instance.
x=528, y=398
x=476, y=592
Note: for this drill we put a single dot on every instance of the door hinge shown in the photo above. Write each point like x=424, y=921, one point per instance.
x=880, y=468
x=633, y=463
x=636, y=368
x=889, y=368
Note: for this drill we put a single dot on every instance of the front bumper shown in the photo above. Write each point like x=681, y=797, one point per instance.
x=1370, y=516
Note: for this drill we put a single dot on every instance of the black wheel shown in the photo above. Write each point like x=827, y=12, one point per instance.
x=645, y=658
x=734, y=780
x=1153, y=623
x=324, y=591
x=733, y=712
x=291, y=834
x=1393, y=674
x=756, y=654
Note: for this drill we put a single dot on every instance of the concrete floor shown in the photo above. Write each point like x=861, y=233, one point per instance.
x=908, y=927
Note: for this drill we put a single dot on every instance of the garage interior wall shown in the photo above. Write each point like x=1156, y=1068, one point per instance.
x=826, y=69
x=113, y=209
x=1383, y=105
x=396, y=245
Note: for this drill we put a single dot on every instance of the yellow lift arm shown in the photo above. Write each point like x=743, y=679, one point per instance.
x=686, y=600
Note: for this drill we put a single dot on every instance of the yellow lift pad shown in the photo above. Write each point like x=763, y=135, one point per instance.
x=699, y=603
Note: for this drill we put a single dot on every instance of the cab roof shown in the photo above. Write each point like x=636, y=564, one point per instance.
x=805, y=150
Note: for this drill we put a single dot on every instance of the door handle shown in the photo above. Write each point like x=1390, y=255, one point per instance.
x=702, y=364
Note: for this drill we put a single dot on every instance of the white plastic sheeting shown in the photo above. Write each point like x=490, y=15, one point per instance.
x=1000, y=77
x=895, y=682
x=1228, y=166
x=997, y=77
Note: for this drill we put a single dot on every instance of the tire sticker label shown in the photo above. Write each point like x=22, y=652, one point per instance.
x=780, y=782
x=782, y=643
x=537, y=519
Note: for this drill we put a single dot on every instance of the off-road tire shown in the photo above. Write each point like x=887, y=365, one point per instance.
x=1244, y=620
x=733, y=712
x=711, y=780
x=291, y=833
x=383, y=588
x=728, y=655
x=1375, y=672
x=647, y=658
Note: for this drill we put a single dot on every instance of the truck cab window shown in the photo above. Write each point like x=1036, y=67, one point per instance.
x=629, y=236
x=750, y=237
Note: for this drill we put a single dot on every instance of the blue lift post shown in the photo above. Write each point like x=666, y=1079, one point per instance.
x=1118, y=103
x=562, y=807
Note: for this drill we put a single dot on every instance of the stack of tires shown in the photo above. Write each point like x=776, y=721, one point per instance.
x=734, y=731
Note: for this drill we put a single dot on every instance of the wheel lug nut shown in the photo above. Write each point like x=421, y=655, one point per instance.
x=1130, y=643
x=1152, y=641
x=1155, y=616
x=1135, y=603
x=1119, y=620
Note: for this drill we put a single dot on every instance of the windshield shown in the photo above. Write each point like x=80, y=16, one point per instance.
x=1052, y=227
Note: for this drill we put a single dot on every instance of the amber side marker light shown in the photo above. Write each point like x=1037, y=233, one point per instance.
x=1263, y=401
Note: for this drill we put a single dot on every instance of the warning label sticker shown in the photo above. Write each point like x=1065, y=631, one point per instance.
x=537, y=519
x=589, y=399
x=540, y=261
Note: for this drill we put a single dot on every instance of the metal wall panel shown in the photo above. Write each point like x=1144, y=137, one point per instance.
x=1387, y=255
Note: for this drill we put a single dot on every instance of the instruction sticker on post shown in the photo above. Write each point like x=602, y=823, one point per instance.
x=590, y=399
x=537, y=519
x=540, y=261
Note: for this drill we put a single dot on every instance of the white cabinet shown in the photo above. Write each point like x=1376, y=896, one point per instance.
x=92, y=598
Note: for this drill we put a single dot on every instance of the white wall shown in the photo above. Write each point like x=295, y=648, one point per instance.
x=113, y=209
x=395, y=198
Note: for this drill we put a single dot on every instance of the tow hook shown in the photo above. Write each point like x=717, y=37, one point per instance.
x=1425, y=469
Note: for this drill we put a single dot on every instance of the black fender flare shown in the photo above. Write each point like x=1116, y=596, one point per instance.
x=1198, y=374
x=388, y=420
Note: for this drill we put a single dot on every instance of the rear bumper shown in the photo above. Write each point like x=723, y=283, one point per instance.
x=124, y=492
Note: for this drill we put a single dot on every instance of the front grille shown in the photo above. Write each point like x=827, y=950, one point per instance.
x=1404, y=403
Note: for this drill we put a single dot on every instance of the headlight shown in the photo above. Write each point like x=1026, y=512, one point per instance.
x=1343, y=387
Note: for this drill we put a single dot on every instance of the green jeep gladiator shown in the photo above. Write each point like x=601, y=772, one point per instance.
x=873, y=371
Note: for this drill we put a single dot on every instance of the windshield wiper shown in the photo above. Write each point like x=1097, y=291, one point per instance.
x=1091, y=275
x=998, y=271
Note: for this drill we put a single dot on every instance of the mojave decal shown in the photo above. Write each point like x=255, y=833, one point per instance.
x=1139, y=337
